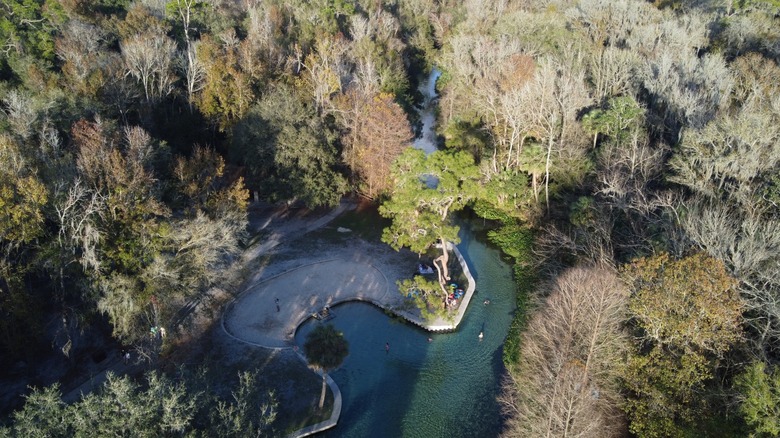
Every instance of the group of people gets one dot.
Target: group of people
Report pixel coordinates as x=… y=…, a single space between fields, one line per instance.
x=455 y=294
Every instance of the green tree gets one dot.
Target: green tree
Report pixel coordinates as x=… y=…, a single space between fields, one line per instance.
x=325 y=349
x=425 y=295
x=760 y=398
x=22 y=197
x=689 y=304
x=249 y=414
x=27 y=30
x=160 y=407
x=289 y=151
x=664 y=392
x=227 y=93
x=689 y=314
x=44 y=415
x=622 y=115
x=427 y=190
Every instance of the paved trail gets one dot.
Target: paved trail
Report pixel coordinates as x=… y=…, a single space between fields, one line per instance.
x=254 y=318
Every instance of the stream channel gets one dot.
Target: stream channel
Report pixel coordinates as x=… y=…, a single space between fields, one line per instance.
x=426 y=385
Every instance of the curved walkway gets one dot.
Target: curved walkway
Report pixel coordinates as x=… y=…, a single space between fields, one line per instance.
x=268 y=313
x=253 y=317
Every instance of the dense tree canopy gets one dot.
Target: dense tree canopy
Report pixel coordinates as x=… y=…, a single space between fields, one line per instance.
x=633 y=134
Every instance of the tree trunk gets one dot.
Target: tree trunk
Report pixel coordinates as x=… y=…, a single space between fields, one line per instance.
x=322 y=394
x=547 y=174
x=443 y=272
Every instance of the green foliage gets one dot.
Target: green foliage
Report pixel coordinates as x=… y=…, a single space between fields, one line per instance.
x=158 y=408
x=426 y=296
x=427 y=190
x=690 y=304
x=525 y=281
x=466 y=135
x=509 y=192
x=227 y=93
x=247 y=415
x=44 y=415
x=618 y=121
x=690 y=313
x=583 y=212
x=28 y=27
x=325 y=348
x=665 y=390
x=290 y=152
x=22 y=197
x=759 y=4
x=760 y=398
x=514 y=239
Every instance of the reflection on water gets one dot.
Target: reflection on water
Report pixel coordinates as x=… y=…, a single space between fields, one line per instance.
x=445 y=387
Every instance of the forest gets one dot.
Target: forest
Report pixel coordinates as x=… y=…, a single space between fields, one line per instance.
x=624 y=152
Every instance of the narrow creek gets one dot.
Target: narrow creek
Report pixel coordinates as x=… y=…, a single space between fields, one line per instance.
x=427 y=385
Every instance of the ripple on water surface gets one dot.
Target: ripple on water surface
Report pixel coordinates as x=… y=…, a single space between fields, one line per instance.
x=442 y=388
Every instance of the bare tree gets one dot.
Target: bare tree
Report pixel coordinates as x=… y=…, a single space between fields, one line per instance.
x=81 y=48
x=558 y=94
x=78 y=214
x=730 y=154
x=325 y=67
x=565 y=383
x=149 y=59
x=612 y=72
x=23 y=111
x=749 y=245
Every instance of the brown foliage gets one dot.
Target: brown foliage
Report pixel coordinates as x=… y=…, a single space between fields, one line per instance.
x=691 y=303
x=378 y=133
x=565 y=381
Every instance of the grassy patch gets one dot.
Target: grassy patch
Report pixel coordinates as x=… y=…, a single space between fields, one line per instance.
x=516 y=240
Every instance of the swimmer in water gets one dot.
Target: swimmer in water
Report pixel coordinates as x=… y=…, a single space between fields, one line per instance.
x=487 y=302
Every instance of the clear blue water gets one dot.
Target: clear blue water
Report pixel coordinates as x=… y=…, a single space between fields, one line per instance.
x=443 y=388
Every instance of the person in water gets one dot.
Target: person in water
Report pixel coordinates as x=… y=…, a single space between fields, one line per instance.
x=387 y=347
